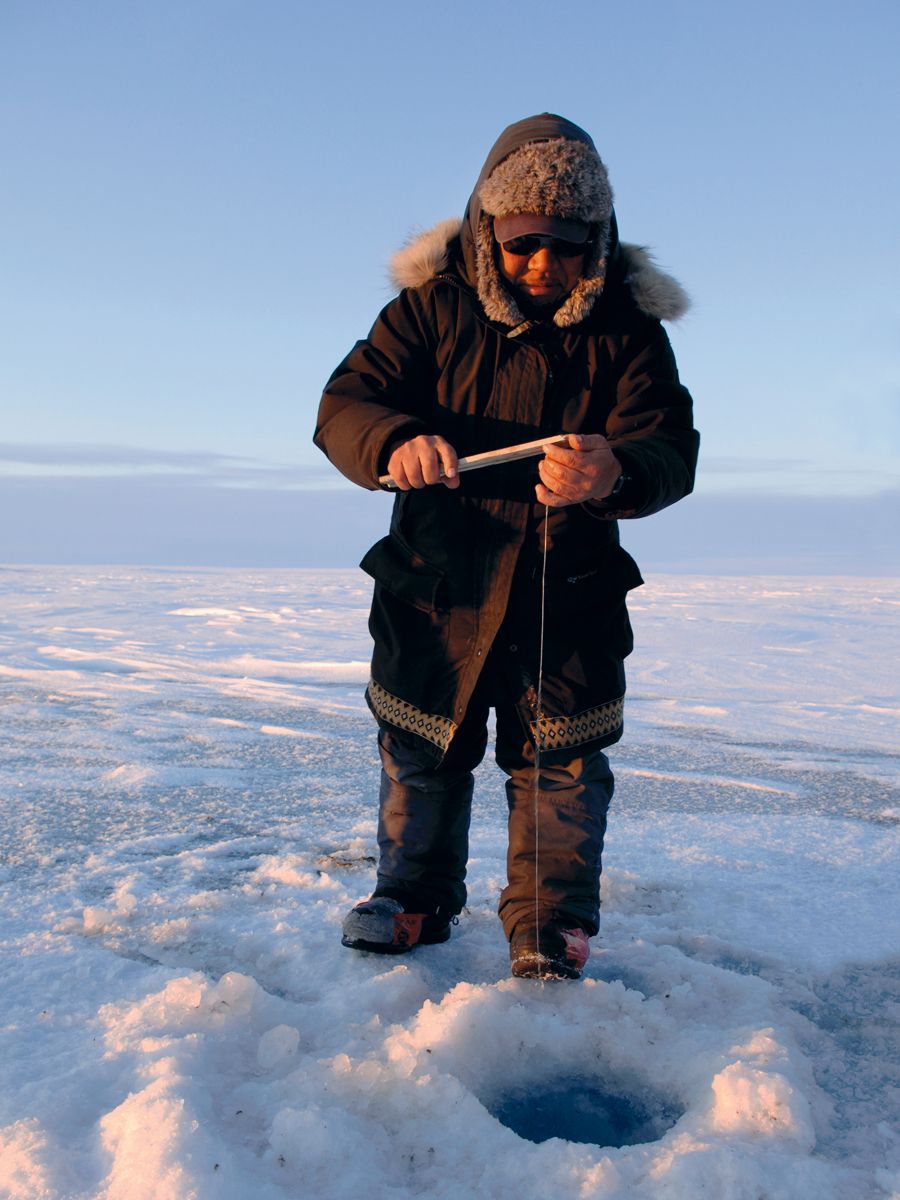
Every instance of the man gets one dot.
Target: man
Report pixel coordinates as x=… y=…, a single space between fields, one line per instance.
x=505 y=587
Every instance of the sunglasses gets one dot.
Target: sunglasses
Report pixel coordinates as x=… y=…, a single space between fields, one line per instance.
x=528 y=244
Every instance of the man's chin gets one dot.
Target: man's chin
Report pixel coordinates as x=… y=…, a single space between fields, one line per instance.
x=539 y=306
x=545 y=297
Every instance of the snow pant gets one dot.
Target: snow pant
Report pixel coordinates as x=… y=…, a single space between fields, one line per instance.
x=556 y=824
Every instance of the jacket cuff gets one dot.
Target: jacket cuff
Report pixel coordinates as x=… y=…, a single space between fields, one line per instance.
x=623 y=501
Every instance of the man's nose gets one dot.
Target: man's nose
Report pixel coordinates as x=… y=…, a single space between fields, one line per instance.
x=542 y=259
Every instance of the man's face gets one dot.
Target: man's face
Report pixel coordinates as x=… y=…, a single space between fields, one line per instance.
x=543 y=278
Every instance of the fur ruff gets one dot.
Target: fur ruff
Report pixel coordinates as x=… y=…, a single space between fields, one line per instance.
x=655 y=292
x=424 y=255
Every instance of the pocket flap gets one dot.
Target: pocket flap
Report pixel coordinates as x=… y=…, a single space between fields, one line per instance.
x=611 y=579
x=404 y=574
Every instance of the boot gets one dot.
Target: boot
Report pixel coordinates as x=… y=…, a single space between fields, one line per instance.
x=554 y=948
x=382 y=926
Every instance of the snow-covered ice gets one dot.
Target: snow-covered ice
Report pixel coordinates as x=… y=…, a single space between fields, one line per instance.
x=187 y=793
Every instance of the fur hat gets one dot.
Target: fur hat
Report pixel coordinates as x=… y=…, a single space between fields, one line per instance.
x=554 y=177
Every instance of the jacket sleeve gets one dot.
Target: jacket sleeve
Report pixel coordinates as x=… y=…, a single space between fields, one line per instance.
x=372 y=400
x=650 y=429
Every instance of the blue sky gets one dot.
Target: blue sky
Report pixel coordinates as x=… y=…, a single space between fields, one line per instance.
x=199 y=199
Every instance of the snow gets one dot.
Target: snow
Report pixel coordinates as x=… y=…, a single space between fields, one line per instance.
x=187 y=812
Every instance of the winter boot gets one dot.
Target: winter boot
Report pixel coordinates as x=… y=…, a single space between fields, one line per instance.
x=382 y=926
x=554 y=949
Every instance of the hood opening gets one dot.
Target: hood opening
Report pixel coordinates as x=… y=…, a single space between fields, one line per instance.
x=548 y=165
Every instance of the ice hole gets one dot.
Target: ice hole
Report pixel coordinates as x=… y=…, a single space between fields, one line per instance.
x=585 y=1110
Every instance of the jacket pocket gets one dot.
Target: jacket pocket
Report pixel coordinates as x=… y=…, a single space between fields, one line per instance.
x=590 y=599
x=405 y=574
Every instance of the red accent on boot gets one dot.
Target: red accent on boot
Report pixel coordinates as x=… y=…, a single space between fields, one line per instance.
x=407 y=928
x=577 y=948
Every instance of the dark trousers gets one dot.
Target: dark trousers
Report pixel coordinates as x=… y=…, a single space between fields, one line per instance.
x=556 y=823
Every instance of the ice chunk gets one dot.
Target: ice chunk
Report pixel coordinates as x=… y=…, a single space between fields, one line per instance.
x=276 y=1045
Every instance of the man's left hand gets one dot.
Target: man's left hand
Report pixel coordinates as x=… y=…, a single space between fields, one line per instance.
x=586 y=469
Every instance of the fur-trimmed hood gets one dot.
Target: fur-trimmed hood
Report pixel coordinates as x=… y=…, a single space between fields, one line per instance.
x=428 y=254
x=547 y=165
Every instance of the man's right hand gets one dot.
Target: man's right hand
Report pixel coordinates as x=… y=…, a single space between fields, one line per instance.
x=423 y=460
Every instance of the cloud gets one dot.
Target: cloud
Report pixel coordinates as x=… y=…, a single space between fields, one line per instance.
x=63 y=455
x=851 y=476
x=72 y=461
x=724 y=464
x=720 y=474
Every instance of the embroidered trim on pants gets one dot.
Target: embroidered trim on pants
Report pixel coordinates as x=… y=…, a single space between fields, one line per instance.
x=435 y=729
x=556 y=732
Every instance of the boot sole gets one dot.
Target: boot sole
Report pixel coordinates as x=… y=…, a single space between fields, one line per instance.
x=537 y=966
x=432 y=939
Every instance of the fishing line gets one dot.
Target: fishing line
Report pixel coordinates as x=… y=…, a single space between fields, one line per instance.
x=538 y=739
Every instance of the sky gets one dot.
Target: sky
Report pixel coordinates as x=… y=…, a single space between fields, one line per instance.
x=198 y=202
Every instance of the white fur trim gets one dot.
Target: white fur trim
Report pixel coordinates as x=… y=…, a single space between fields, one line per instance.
x=424 y=255
x=656 y=293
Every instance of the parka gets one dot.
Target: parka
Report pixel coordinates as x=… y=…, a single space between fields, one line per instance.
x=452 y=355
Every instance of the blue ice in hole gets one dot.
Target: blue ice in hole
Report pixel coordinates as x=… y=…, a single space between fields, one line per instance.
x=585 y=1110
